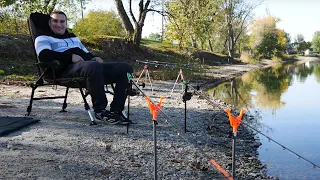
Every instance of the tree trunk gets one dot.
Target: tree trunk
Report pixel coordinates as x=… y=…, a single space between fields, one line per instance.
x=16 y=25
x=137 y=35
x=125 y=19
x=210 y=45
x=231 y=42
x=193 y=42
x=143 y=9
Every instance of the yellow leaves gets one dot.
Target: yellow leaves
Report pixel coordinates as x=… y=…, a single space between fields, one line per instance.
x=282 y=40
x=265 y=25
x=266 y=39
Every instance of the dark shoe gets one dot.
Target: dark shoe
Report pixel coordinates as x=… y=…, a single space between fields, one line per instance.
x=124 y=118
x=108 y=117
x=113 y=117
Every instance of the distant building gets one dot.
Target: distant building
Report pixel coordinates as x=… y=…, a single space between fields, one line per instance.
x=307 y=52
x=310 y=52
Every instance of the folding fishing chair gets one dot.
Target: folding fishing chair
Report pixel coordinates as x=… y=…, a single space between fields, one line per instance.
x=38 y=22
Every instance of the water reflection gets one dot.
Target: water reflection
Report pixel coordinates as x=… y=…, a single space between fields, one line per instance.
x=286 y=98
x=264 y=87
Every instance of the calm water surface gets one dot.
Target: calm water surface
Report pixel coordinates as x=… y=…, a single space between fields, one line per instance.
x=286 y=101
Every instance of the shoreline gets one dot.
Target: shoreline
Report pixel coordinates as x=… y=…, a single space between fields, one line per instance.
x=64 y=146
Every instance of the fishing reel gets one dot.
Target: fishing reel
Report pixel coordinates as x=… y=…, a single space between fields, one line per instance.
x=186 y=96
x=142 y=84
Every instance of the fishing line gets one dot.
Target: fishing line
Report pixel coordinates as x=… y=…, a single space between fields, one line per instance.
x=270 y=139
x=215 y=105
x=180 y=131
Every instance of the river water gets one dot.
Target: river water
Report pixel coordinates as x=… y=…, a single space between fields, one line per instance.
x=285 y=99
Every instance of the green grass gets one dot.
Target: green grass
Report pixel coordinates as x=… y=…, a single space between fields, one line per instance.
x=18 y=61
x=14 y=77
x=158 y=45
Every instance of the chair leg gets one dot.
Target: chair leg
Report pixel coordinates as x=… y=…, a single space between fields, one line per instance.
x=87 y=107
x=64 y=105
x=129 y=90
x=34 y=87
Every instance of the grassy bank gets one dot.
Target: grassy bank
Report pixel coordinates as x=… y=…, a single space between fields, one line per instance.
x=17 y=57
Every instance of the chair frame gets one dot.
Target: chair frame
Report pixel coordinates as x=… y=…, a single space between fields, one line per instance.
x=46 y=67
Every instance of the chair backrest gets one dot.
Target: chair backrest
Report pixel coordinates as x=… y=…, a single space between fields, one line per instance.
x=37 y=22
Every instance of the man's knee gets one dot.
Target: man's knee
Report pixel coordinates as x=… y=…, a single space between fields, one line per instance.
x=92 y=66
x=127 y=68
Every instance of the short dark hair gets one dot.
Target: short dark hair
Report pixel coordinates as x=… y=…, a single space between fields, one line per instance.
x=58 y=12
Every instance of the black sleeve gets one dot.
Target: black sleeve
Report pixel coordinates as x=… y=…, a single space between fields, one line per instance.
x=47 y=55
x=91 y=55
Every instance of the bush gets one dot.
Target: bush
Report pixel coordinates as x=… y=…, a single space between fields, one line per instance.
x=248 y=58
x=13 y=25
x=99 y=23
x=276 y=58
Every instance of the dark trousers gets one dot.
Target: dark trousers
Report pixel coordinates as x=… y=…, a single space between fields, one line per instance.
x=99 y=74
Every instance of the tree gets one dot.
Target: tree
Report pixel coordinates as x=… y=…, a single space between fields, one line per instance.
x=19 y=10
x=301 y=44
x=218 y=23
x=266 y=40
x=236 y=15
x=24 y=7
x=190 y=21
x=5 y=3
x=282 y=40
x=11 y=24
x=154 y=36
x=28 y=6
x=316 y=41
x=108 y=23
x=299 y=38
x=134 y=30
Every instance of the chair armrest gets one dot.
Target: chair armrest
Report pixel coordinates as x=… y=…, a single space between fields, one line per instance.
x=49 y=63
x=50 y=66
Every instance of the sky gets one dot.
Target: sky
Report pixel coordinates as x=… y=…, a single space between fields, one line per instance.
x=297 y=16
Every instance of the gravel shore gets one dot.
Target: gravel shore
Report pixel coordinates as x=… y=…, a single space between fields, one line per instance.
x=65 y=146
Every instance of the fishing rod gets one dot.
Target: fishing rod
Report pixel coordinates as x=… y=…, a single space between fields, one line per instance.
x=166 y=64
x=159 y=109
x=284 y=147
x=270 y=139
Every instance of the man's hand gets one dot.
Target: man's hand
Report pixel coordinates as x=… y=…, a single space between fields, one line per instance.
x=98 y=59
x=76 y=58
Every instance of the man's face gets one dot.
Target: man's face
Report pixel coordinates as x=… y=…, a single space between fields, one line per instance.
x=58 y=23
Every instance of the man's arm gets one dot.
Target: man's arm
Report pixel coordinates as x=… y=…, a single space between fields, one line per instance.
x=47 y=55
x=93 y=57
x=64 y=58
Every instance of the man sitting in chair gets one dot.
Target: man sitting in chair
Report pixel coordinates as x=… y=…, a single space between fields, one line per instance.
x=59 y=44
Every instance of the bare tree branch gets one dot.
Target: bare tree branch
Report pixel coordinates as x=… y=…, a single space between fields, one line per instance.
x=131 y=13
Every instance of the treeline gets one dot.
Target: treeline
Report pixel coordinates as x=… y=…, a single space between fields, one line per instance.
x=223 y=26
